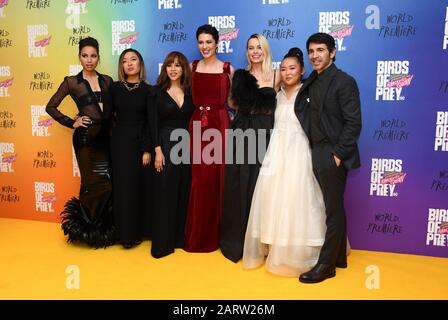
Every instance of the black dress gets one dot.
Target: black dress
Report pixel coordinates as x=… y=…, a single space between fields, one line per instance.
x=240 y=179
x=131 y=180
x=172 y=184
x=89 y=218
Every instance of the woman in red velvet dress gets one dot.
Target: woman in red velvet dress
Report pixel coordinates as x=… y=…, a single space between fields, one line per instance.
x=210 y=88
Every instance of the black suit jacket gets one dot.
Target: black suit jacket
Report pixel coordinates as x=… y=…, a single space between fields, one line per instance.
x=340 y=114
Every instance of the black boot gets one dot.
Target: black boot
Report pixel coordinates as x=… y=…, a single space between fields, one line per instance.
x=319 y=273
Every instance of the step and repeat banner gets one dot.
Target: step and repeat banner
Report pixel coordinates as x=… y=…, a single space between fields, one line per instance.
x=396 y=50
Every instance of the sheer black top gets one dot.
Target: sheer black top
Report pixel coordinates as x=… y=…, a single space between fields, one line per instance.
x=86 y=100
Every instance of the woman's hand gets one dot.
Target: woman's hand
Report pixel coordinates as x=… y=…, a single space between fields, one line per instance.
x=82 y=122
x=159 y=161
x=146 y=158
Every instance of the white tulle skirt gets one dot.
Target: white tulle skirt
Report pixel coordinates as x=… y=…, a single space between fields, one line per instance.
x=286 y=226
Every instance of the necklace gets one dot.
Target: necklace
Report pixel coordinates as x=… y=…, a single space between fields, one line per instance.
x=134 y=86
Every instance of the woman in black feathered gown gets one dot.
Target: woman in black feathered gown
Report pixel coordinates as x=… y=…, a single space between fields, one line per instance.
x=256 y=108
x=88 y=219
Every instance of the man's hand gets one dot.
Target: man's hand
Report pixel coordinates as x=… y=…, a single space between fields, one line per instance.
x=337 y=160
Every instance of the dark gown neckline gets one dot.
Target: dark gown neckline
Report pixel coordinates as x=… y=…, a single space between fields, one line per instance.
x=174 y=100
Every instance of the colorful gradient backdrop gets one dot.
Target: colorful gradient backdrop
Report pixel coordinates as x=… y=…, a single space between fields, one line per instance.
x=409 y=36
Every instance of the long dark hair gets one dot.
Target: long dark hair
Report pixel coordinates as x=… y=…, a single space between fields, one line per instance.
x=164 y=81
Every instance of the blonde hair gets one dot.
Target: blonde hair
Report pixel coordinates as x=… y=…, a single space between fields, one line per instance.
x=122 y=75
x=266 y=66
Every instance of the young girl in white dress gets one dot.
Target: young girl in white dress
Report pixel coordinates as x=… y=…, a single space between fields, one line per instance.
x=287 y=218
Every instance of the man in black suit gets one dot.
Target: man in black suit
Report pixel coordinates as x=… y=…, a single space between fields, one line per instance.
x=332 y=121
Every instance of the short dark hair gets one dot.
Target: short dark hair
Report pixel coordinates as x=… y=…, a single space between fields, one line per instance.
x=295 y=53
x=322 y=38
x=208 y=29
x=89 y=42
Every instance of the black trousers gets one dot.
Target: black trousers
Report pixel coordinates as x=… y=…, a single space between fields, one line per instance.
x=332 y=180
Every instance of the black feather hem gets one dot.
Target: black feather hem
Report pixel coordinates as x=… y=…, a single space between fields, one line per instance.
x=79 y=228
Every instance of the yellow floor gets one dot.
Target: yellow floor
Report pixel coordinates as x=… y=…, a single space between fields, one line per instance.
x=34 y=258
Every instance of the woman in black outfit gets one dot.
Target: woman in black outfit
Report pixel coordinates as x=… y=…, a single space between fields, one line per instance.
x=130 y=146
x=255 y=111
x=172 y=110
x=89 y=218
